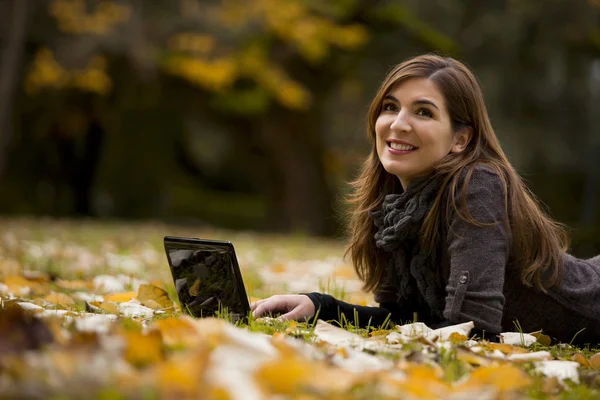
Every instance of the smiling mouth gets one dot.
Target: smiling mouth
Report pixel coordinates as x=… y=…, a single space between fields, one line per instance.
x=401 y=146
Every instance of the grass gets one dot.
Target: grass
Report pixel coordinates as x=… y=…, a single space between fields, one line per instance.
x=77 y=250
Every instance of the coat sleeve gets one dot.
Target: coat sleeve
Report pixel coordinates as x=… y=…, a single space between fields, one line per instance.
x=335 y=311
x=478 y=254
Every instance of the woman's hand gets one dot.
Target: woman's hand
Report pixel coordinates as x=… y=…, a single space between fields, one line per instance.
x=294 y=306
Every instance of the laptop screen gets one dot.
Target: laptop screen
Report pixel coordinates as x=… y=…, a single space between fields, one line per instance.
x=205 y=279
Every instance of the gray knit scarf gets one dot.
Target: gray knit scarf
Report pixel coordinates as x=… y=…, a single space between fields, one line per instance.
x=413 y=274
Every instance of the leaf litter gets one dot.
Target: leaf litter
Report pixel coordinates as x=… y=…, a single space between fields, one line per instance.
x=88 y=311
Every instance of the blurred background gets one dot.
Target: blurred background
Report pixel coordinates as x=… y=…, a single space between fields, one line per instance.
x=250 y=114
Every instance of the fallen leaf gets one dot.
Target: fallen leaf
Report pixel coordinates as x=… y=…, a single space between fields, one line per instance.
x=133 y=309
x=182 y=376
x=542 y=339
x=143 y=349
x=506 y=348
x=559 y=369
x=423 y=381
x=580 y=358
x=110 y=307
x=503 y=377
x=528 y=357
x=120 y=297
x=177 y=331
x=60 y=299
x=156 y=294
x=517 y=338
x=285 y=375
x=595 y=361
x=472 y=358
x=20 y=331
x=73 y=285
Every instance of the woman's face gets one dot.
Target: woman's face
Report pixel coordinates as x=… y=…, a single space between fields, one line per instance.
x=413 y=130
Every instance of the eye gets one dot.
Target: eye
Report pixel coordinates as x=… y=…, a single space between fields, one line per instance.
x=389 y=107
x=424 y=113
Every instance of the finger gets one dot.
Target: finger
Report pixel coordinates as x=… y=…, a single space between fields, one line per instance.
x=255 y=304
x=263 y=308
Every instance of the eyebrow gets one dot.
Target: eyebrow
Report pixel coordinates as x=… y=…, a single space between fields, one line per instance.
x=420 y=101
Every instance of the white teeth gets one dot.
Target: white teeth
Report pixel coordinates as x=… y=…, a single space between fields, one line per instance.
x=398 y=146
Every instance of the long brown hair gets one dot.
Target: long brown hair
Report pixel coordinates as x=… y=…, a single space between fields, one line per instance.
x=537 y=240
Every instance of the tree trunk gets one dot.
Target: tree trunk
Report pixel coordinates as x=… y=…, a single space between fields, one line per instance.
x=301 y=197
x=11 y=58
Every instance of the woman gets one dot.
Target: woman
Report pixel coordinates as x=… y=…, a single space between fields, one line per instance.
x=444 y=230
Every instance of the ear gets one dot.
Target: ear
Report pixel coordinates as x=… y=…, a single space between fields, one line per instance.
x=461 y=139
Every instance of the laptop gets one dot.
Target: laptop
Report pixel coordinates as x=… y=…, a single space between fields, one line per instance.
x=207 y=278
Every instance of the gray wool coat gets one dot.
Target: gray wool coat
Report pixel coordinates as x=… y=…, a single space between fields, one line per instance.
x=482 y=285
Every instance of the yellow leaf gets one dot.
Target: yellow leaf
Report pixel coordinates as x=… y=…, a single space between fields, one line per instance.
x=542 y=339
x=143 y=349
x=177 y=331
x=504 y=377
x=182 y=376
x=15 y=283
x=595 y=361
x=507 y=348
x=471 y=358
x=120 y=297
x=110 y=307
x=156 y=294
x=152 y=304
x=424 y=381
x=284 y=375
x=456 y=338
x=74 y=285
x=60 y=299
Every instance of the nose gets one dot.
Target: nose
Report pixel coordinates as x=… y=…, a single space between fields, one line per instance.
x=400 y=123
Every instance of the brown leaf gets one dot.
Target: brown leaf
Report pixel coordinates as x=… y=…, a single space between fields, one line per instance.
x=20 y=331
x=595 y=361
x=580 y=358
x=156 y=294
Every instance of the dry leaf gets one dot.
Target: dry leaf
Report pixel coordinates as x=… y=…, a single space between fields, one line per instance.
x=580 y=358
x=178 y=331
x=60 y=299
x=155 y=294
x=595 y=361
x=423 y=381
x=110 y=307
x=181 y=376
x=517 y=338
x=542 y=339
x=506 y=348
x=470 y=357
x=503 y=377
x=74 y=285
x=142 y=350
x=560 y=369
x=285 y=375
x=120 y=297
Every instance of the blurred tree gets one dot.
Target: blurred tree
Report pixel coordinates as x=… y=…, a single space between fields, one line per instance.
x=229 y=109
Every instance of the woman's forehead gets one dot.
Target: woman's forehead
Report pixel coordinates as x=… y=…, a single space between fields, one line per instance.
x=416 y=88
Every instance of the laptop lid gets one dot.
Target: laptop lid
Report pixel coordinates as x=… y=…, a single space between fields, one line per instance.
x=207 y=277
